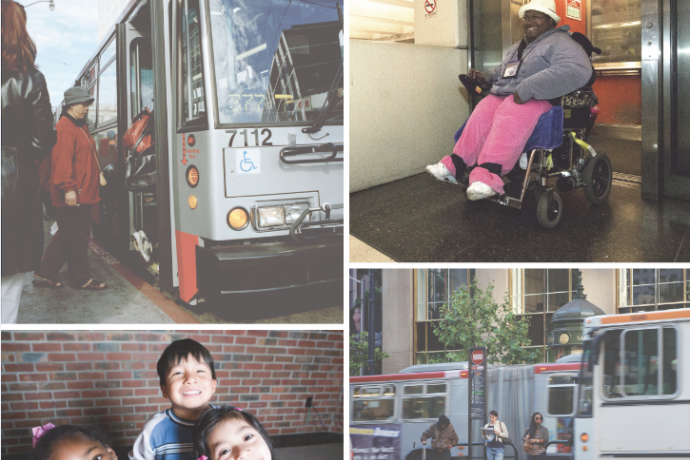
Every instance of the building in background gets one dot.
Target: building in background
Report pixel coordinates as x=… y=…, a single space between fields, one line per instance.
x=413 y=298
x=108 y=12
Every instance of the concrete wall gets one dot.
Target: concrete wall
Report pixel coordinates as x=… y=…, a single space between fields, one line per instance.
x=405 y=104
x=600 y=287
x=445 y=28
x=398 y=335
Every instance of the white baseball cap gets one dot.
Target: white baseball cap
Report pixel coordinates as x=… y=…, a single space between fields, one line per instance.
x=547 y=7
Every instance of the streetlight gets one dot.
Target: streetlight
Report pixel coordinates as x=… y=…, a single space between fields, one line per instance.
x=50 y=2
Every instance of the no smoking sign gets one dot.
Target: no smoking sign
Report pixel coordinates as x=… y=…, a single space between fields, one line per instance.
x=429 y=8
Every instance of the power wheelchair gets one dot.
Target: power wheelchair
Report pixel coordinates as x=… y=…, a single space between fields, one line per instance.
x=558 y=150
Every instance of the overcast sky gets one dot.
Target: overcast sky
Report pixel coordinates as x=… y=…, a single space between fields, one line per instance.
x=65 y=38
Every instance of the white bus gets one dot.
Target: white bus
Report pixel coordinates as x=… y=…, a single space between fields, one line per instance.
x=634 y=398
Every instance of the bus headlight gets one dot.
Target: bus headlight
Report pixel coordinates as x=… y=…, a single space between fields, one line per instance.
x=238 y=218
x=271 y=217
x=293 y=211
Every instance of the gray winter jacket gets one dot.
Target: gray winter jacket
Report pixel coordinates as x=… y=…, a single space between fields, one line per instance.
x=552 y=65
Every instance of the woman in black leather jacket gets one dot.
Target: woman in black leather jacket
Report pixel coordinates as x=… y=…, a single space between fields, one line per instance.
x=27 y=135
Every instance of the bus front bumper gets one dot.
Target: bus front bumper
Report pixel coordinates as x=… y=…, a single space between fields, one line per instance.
x=274 y=270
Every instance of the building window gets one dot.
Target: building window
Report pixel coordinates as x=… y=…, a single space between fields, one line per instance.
x=538 y=293
x=651 y=289
x=434 y=289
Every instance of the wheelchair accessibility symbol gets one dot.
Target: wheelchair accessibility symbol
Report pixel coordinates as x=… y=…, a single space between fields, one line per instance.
x=248 y=161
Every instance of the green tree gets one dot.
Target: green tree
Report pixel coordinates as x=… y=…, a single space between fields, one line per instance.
x=476 y=320
x=359 y=352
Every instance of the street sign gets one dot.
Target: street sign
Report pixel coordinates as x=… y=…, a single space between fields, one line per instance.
x=476 y=390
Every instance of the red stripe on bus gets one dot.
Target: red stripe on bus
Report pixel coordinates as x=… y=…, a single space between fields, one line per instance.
x=398 y=377
x=186 y=264
x=539 y=368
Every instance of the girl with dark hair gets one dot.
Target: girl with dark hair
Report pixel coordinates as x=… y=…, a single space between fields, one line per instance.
x=228 y=432
x=536 y=436
x=67 y=442
x=495 y=433
x=27 y=136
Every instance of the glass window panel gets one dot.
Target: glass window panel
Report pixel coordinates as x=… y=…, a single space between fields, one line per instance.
x=616 y=30
x=611 y=364
x=643 y=295
x=458 y=278
x=421 y=336
x=558 y=280
x=106 y=147
x=556 y=301
x=108 y=54
x=107 y=95
x=366 y=410
x=641 y=362
x=91 y=116
x=371 y=391
x=89 y=77
x=436 y=388
x=561 y=380
x=534 y=281
x=192 y=77
x=424 y=408
x=670 y=275
x=644 y=276
x=414 y=390
x=561 y=400
x=355 y=393
x=142 y=83
x=433 y=342
x=389 y=391
x=536 y=329
x=534 y=303
x=671 y=292
x=276 y=61
x=670 y=361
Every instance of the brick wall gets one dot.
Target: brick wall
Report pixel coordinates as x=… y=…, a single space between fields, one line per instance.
x=109 y=379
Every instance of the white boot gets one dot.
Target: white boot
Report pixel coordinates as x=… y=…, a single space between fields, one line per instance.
x=479 y=191
x=440 y=172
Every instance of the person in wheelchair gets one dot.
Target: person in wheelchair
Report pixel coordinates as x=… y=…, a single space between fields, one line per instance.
x=545 y=65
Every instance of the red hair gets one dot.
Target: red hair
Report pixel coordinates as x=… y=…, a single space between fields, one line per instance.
x=18 y=50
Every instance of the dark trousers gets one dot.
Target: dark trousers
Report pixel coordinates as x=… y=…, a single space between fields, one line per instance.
x=70 y=244
x=443 y=454
x=48 y=204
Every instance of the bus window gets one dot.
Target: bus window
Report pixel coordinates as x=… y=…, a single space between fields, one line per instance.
x=192 y=78
x=141 y=75
x=275 y=61
x=108 y=54
x=641 y=362
x=426 y=401
x=373 y=403
x=585 y=382
x=611 y=365
x=107 y=95
x=561 y=393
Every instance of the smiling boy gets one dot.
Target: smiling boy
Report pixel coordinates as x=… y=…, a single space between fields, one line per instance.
x=188 y=380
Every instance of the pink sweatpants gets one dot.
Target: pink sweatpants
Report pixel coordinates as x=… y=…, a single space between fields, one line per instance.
x=496 y=133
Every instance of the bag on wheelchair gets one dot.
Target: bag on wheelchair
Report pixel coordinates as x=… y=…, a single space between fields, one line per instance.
x=138 y=141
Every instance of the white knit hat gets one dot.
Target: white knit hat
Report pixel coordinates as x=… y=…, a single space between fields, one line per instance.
x=547 y=7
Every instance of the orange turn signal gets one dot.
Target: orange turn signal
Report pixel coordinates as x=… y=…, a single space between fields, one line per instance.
x=192 y=176
x=193 y=202
x=584 y=437
x=238 y=218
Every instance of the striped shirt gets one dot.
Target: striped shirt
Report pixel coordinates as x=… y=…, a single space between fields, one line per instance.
x=165 y=437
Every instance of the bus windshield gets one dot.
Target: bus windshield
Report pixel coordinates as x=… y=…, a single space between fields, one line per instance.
x=276 y=60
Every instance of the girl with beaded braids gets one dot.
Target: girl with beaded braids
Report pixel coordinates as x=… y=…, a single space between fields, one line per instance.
x=68 y=442
x=228 y=432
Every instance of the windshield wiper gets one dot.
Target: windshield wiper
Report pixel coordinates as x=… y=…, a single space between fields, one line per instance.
x=321 y=119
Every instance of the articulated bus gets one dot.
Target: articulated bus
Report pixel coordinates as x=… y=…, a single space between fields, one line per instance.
x=247 y=97
x=634 y=393
x=418 y=395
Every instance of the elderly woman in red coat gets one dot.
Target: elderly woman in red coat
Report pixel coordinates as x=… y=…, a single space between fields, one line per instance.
x=74 y=186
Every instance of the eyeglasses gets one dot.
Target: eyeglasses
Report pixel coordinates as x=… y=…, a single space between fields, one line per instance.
x=538 y=418
x=526 y=18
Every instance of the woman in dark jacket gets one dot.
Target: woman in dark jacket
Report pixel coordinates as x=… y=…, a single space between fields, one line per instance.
x=74 y=189
x=27 y=135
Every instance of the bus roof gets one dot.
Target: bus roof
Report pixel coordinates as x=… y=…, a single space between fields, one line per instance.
x=642 y=317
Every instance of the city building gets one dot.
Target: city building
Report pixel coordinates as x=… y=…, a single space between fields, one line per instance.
x=413 y=298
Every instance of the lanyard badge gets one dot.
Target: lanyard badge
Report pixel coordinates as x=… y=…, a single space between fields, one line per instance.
x=511 y=69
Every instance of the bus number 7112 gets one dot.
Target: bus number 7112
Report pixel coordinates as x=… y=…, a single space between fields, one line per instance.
x=264 y=131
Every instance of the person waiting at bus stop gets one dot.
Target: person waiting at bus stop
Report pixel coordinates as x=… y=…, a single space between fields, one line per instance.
x=536 y=436
x=443 y=437
x=74 y=189
x=494 y=442
x=545 y=65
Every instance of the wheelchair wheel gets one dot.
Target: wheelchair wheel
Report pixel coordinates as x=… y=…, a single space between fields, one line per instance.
x=549 y=209
x=597 y=178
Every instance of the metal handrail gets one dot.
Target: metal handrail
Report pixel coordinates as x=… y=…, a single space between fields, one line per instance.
x=291 y=151
x=479 y=443
x=296 y=227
